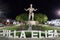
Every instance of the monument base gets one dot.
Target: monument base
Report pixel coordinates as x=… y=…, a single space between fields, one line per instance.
x=32 y=22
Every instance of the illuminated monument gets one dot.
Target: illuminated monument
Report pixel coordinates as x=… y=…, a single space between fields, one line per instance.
x=31 y=14
x=31 y=21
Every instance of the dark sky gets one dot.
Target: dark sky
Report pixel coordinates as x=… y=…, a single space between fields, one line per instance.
x=12 y=8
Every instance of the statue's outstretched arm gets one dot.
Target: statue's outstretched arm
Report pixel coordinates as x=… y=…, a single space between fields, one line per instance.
x=35 y=9
x=26 y=9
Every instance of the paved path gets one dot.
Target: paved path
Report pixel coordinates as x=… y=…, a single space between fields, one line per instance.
x=30 y=27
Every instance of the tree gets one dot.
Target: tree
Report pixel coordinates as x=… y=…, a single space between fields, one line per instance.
x=42 y=18
x=22 y=17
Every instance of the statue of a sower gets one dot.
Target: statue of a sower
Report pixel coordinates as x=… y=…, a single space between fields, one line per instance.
x=31 y=14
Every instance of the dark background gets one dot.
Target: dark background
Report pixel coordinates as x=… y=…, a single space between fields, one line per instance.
x=12 y=8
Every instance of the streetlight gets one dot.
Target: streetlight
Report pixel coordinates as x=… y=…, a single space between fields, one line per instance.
x=58 y=12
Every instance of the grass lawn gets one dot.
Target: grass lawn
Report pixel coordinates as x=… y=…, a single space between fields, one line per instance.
x=14 y=27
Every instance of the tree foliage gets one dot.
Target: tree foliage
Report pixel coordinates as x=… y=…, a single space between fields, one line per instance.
x=42 y=18
x=22 y=17
x=37 y=17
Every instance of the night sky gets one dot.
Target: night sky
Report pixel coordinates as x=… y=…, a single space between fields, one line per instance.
x=12 y=8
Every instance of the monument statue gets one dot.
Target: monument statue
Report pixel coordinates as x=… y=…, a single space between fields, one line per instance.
x=31 y=14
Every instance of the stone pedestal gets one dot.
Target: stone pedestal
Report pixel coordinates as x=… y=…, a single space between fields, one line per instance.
x=32 y=22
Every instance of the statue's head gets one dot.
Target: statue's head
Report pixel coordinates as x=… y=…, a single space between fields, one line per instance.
x=30 y=5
